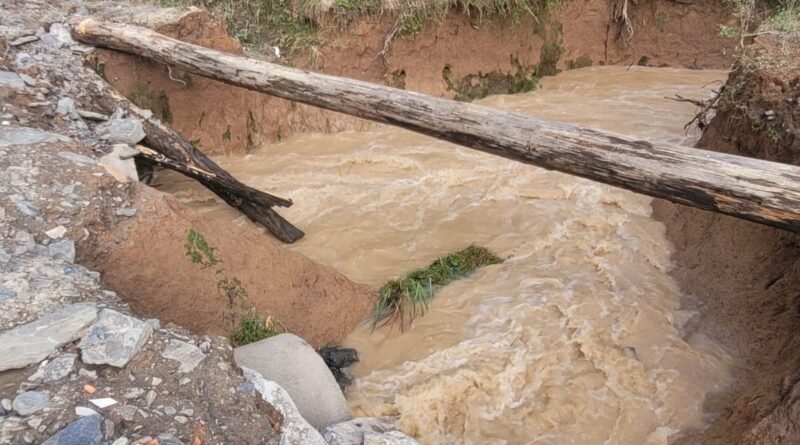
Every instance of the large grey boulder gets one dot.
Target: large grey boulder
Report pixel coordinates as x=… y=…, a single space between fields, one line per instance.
x=295 y=430
x=289 y=361
x=114 y=339
x=33 y=342
x=84 y=431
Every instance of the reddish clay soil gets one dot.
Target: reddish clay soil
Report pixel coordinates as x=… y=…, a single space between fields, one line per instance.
x=744 y=277
x=224 y=119
x=144 y=260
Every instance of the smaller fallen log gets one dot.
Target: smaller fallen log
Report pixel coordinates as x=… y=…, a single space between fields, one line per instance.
x=168 y=149
x=237 y=188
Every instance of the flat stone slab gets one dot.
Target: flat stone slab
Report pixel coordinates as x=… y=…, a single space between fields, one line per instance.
x=188 y=355
x=55 y=369
x=84 y=431
x=289 y=361
x=114 y=339
x=24 y=136
x=35 y=341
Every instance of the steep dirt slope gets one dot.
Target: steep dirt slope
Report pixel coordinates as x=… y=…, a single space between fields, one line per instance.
x=744 y=277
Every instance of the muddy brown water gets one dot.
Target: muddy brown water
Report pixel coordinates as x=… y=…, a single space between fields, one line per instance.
x=575 y=339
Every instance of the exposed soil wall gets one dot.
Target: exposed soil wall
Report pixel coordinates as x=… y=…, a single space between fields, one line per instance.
x=744 y=277
x=144 y=260
x=460 y=57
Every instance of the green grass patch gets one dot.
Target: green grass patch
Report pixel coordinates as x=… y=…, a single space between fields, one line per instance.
x=293 y=25
x=253 y=327
x=405 y=298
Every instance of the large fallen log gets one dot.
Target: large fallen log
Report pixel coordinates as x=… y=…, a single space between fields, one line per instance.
x=761 y=191
x=176 y=153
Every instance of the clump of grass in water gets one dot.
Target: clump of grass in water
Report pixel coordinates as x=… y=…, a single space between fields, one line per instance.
x=254 y=327
x=403 y=299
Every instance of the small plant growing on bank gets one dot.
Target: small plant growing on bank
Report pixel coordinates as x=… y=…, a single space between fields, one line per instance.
x=199 y=251
x=405 y=298
x=254 y=327
x=247 y=325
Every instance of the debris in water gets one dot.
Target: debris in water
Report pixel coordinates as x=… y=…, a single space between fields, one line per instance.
x=403 y=299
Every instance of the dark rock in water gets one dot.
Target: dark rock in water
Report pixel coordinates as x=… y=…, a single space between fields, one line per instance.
x=84 y=431
x=336 y=357
x=343 y=377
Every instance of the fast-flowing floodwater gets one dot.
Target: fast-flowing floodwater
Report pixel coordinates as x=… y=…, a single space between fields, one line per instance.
x=575 y=339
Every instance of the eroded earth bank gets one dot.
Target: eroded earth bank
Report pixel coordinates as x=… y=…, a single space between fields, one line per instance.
x=111 y=333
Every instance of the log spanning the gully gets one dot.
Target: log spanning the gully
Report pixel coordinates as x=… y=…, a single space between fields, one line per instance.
x=752 y=189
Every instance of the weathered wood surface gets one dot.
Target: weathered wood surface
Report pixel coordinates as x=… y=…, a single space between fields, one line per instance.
x=178 y=154
x=761 y=191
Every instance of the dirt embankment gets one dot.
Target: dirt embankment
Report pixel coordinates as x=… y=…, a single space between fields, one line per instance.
x=744 y=277
x=461 y=57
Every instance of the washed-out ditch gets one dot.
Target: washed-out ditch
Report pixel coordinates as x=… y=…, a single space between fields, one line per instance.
x=577 y=337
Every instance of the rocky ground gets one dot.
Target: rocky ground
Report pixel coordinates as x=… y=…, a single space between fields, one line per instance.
x=76 y=366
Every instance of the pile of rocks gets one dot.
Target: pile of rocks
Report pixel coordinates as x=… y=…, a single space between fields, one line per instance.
x=76 y=366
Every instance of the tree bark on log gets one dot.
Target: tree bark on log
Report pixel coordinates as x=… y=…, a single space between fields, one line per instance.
x=756 y=190
x=180 y=155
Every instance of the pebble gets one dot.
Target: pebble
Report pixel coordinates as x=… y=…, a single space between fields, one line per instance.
x=66 y=107
x=55 y=369
x=30 y=402
x=168 y=439
x=156 y=381
x=128 y=412
x=56 y=232
x=91 y=375
x=6 y=404
x=150 y=397
x=133 y=393
x=125 y=211
x=170 y=411
x=181 y=419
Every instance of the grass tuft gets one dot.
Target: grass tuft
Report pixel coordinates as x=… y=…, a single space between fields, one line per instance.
x=254 y=327
x=403 y=299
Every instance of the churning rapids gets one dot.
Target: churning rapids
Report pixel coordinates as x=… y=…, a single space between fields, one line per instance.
x=575 y=339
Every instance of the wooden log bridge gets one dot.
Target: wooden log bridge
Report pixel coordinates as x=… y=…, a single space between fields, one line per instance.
x=752 y=189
